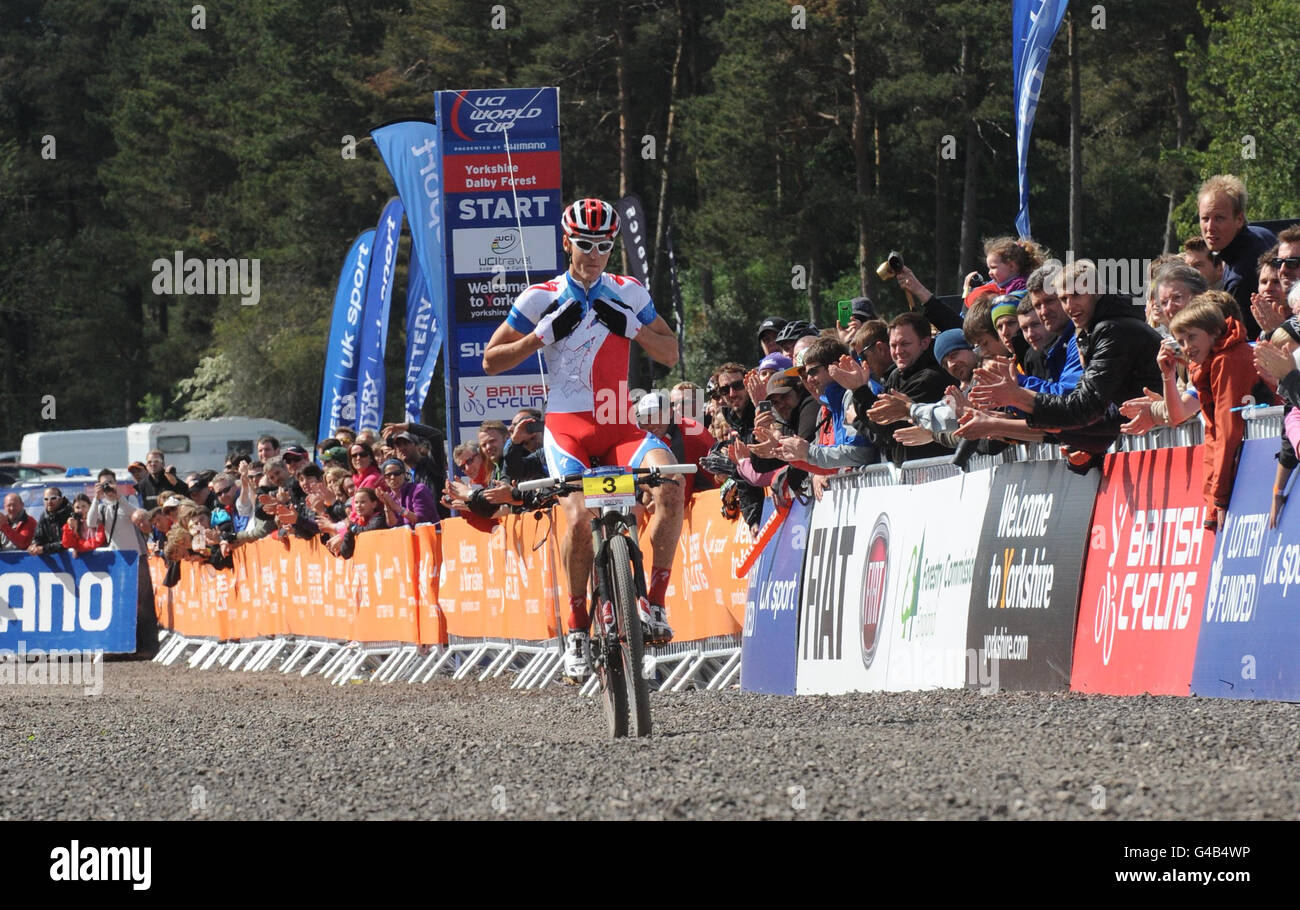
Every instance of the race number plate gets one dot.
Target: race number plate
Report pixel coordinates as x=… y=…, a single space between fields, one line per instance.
x=608 y=488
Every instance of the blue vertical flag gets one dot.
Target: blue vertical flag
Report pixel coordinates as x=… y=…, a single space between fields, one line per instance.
x=338 y=404
x=374 y=320
x=423 y=339
x=410 y=150
x=1034 y=24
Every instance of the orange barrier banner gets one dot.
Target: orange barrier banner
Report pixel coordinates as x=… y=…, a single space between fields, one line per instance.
x=383 y=573
x=461 y=581
x=529 y=553
x=427 y=584
x=704 y=596
x=431 y=625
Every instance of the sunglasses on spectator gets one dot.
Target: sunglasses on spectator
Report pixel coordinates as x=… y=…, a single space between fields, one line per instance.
x=600 y=246
x=53 y=498
x=810 y=369
x=737 y=386
x=394 y=474
x=1290 y=262
x=464 y=465
x=356 y=455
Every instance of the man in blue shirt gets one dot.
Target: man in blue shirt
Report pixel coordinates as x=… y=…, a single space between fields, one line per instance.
x=1221 y=208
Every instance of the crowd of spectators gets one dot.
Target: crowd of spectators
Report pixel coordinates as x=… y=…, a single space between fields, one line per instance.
x=1036 y=351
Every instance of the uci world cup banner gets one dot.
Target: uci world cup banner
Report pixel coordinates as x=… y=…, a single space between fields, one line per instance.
x=502 y=204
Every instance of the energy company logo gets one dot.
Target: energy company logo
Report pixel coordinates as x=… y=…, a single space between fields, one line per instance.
x=912 y=589
x=873 y=594
x=505 y=242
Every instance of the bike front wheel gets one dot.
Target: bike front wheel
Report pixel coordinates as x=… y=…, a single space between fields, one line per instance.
x=632 y=648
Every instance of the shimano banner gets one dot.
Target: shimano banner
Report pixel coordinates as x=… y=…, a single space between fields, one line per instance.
x=85 y=603
x=1034 y=27
x=371 y=380
x=411 y=150
x=423 y=339
x=338 y=402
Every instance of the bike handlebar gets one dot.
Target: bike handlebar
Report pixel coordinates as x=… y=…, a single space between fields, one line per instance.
x=543 y=482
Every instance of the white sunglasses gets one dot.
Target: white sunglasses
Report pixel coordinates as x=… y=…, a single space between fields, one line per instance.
x=600 y=246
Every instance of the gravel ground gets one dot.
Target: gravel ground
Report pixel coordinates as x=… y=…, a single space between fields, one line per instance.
x=266 y=746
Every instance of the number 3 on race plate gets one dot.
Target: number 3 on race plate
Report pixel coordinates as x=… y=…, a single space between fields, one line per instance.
x=608 y=488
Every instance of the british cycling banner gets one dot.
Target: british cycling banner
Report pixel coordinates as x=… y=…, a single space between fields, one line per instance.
x=1145 y=577
x=371 y=379
x=338 y=403
x=500 y=151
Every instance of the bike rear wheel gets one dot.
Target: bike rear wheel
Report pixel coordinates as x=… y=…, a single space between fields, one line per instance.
x=636 y=696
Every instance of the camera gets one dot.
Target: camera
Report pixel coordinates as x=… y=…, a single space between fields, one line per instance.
x=764 y=407
x=892 y=265
x=106 y=486
x=534 y=426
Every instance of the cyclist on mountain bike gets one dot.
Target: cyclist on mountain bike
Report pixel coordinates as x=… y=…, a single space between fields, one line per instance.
x=585 y=320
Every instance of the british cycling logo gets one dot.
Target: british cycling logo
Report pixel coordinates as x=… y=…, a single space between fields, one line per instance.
x=873 y=593
x=505 y=242
x=485 y=114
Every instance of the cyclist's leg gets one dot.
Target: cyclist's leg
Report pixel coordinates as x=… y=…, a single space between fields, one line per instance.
x=565 y=454
x=665 y=524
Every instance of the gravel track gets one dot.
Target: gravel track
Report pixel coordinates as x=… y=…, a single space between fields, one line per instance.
x=266 y=746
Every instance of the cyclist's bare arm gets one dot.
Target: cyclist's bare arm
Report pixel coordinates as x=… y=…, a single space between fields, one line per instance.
x=658 y=341
x=508 y=348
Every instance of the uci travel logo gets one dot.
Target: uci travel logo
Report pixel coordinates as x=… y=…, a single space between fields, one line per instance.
x=505 y=242
x=873 y=596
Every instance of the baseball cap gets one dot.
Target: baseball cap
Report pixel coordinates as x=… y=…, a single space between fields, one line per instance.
x=782 y=383
x=863 y=309
x=400 y=436
x=294 y=453
x=775 y=361
x=770 y=324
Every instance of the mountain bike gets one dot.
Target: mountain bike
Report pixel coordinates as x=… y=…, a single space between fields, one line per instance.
x=617 y=583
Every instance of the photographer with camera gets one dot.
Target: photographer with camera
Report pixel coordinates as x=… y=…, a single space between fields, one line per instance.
x=126 y=528
x=522 y=458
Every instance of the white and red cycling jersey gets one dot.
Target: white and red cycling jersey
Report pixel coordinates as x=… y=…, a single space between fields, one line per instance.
x=587 y=406
x=592 y=357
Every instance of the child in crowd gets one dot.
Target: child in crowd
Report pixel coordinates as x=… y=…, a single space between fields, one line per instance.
x=1222 y=369
x=1009 y=263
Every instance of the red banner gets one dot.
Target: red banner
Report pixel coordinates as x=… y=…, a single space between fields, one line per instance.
x=1145 y=578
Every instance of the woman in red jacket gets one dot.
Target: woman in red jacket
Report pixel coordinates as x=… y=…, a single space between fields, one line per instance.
x=365 y=473
x=76 y=536
x=1222 y=367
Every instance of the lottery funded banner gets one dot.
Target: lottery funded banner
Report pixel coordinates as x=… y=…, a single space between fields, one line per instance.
x=1249 y=645
x=500 y=166
x=1027 y=573
x=1145 y=576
